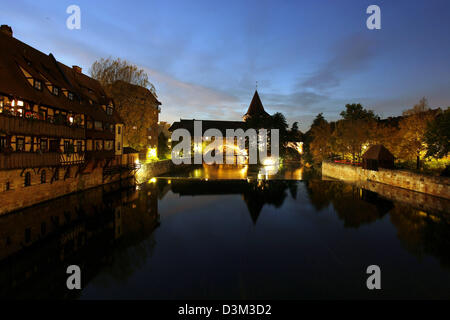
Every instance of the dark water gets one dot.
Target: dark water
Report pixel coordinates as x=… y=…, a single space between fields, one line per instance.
x=185 y=237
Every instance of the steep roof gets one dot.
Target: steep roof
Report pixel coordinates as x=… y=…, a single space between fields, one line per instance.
x=256 y=107
x=378 y=152
x=16 y=54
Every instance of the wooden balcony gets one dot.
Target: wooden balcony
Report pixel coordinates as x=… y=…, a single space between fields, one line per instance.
x=22 y=126
x=99 y=155
x=21 y=160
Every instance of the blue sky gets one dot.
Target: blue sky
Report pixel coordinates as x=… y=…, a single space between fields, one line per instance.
x=204 y=57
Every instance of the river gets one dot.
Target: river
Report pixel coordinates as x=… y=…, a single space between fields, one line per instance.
x=218 y=232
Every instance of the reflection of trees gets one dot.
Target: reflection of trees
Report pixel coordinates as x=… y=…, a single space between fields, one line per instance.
x=422 y=233
x=352 y=204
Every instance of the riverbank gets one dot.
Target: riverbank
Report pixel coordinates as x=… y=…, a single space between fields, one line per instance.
x=432 y=185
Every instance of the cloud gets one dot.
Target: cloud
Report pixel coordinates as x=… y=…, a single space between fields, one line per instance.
x=188 y=100
x=351 y=55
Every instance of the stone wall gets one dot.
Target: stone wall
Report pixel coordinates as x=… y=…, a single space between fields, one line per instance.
x=433 y=185
x=153 y=169
x=18 y=196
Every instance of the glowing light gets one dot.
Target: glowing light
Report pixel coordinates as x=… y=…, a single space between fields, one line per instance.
x=152 y=154
x=20 y=103
x=198 y=147
x=152 y=180
x=270 y=161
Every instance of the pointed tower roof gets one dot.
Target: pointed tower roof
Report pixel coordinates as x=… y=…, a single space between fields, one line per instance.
x=256 y=107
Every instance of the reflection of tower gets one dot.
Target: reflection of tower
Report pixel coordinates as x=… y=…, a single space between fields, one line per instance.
x=254 y=193
x=254 y=205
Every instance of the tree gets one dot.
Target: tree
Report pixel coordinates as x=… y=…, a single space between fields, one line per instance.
x=163 y=146
x=420 y=107
x=354 y=130
x=437 y=136
x=108 y=71
x=357 y=112
x=320 y=147
x=412 y=130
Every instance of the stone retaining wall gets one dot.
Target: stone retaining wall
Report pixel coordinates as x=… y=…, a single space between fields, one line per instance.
x=18 y=196
x=433 y=185
x=153 y=169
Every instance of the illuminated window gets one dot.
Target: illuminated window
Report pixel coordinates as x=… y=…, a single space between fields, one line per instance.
x=98 y=125
x=20 y=146
x=43 y=145
x=98 y=145
x=70 y=96
x=55 y=91
x=109 y=145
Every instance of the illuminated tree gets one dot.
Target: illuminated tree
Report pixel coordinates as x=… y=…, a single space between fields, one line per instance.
x=411 y=140
x=437 y=136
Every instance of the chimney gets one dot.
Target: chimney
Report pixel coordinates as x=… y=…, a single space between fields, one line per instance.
x=77 y=69
x=6 y=30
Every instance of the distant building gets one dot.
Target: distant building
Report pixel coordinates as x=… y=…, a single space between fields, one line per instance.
x=139 y=109
x=255 y=109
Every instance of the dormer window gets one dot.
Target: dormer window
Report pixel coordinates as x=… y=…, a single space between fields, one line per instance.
x=70 y=96
x=37 y=84
x=55 y=91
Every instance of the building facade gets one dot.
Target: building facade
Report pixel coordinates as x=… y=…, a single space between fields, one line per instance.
x=139 y=108
x=58 y=127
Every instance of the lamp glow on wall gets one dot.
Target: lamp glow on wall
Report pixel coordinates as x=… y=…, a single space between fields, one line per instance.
x=152 y=154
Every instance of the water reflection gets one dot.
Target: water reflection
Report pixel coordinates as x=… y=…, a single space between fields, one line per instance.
x=242 y=172
x=255 y=193
x=87 y=229
x=124 y=237
x=421 y=233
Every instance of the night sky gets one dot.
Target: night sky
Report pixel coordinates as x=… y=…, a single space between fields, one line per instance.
x=204 y=57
